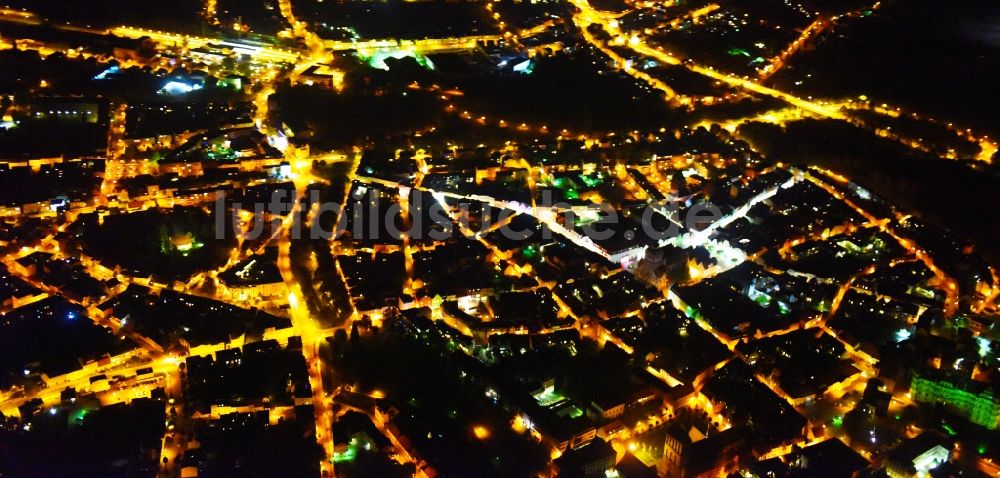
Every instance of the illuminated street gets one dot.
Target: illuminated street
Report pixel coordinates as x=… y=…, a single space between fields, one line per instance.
x=583 y=238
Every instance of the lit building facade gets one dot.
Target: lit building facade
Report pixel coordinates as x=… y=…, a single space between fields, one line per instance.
x=974 y=400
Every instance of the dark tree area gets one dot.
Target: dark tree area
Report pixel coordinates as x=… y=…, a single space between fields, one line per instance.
x=142 y=241
x=920 y=183
x=421 y=375
x=354 y=116
x=939 y=58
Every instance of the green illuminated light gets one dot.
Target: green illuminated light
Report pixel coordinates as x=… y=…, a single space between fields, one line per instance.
x=548 y=396
x=593 y=180
x=783 y=308
x=349 y=455
x=529 y=252
x=981 y=408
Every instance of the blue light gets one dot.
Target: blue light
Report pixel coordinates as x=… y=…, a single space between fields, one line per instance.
x=178 y=88
x=902 y=334
x=525 y=67
x=104 y=74
x=284 y=171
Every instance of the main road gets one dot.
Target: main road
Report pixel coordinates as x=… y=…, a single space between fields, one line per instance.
x=588 y=16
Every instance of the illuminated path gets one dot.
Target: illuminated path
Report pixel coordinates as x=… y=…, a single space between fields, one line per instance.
x=307 y=327
x=291 y=55
x=544 y=215
x=426 y=45
x=619 y=60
